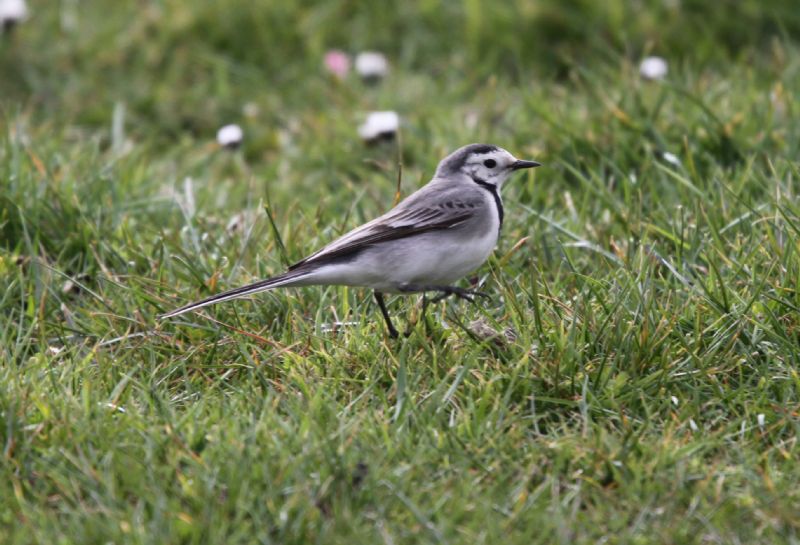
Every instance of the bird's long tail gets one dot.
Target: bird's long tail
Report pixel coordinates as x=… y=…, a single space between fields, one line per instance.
x=289 y=278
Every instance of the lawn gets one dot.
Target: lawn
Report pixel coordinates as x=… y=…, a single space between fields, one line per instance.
x=642 y=385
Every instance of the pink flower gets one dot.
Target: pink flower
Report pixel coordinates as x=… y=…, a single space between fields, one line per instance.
x=337 y=63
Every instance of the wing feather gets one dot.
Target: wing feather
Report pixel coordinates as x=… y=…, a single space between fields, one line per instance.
x=405 y=220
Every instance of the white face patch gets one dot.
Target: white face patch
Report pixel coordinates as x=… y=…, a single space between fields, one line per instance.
x=493 y=167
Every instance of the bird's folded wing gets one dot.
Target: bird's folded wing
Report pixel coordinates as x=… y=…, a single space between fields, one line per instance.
x=398 y=223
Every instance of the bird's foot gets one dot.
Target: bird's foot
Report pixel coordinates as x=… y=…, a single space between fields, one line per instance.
x=445 y=292
x=461 y=293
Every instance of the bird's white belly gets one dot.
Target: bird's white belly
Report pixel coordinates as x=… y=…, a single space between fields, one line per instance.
x=444 y=261
x=433 y=259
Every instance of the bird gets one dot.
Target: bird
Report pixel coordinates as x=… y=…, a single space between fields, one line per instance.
x=427 y=242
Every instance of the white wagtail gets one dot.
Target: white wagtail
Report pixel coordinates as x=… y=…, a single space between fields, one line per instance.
x=429 y=240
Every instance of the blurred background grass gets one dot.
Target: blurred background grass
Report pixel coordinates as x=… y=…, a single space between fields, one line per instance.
x=648 y=270
x=218 y=53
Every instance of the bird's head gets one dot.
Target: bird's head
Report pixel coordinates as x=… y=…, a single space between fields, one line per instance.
x=484 y=163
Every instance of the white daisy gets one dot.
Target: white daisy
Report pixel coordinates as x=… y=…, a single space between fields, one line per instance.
x=12 y=12
x=371 y=66
x=653 y=68
x=379 y=125
x=230 y=136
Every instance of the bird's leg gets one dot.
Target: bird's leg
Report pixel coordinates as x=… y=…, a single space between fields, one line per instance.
x=445 y=292
x=382 y=305
x=425 y=303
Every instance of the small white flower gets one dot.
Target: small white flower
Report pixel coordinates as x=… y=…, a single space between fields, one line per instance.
x=371 y=65
x=379 y=125
x=675 y=401
x=693 y=424
x=230 y=136
x=653 y=68
x=760 y=418
x=68 y=287
x=12 y=12
x=671 y=158
x=73 y=285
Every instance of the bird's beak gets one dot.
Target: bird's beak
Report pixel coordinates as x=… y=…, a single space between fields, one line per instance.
x=520 y=164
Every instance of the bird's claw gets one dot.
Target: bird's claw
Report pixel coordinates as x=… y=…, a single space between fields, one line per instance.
x=470 y=295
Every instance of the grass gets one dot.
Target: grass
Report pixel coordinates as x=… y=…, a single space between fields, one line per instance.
x=648 y=273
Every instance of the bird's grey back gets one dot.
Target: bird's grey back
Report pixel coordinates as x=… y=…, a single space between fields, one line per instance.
x=441 y=204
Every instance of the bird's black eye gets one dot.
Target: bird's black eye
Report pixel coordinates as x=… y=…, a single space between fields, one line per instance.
x=490 y=163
